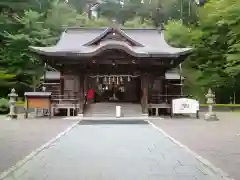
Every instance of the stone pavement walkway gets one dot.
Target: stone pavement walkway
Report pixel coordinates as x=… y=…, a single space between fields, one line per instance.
x=217 y=141
x=20 y=137
x=114 y=152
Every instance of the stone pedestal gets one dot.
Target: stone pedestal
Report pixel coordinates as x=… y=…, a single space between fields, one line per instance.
x=210 y=116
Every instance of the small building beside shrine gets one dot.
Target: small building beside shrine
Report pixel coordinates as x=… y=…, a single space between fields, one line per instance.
x=121 y=65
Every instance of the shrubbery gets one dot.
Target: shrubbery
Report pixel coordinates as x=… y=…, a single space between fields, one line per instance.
x=4 y=106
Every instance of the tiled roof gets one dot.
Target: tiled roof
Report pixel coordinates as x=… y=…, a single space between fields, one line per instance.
x=75 y=41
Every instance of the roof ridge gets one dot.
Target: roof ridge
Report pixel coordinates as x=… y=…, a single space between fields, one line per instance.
x=85 y=28
x=107 y=27
x=106 y=31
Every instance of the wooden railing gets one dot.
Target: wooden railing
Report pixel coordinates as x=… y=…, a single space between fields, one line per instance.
x=65 y=102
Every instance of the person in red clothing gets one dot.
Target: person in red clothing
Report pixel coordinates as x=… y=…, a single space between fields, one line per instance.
x=90 y=95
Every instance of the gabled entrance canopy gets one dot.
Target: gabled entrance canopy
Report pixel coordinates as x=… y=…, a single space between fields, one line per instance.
x=89 y=42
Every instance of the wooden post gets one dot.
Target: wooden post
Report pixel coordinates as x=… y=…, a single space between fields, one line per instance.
x=26 y=107
x=50 y=108
x=81 y=94
x=62 y=81
x=85 y=84
x=144 y=100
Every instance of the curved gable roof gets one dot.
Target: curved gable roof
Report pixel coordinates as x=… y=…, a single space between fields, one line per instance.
x=113 y=30
x=81 y=41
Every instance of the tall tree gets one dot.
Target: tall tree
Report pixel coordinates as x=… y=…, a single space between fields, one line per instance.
x=216 y=52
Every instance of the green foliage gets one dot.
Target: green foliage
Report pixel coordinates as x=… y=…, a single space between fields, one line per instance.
x=62 y=15
x=158 y=11
x=38 y=25
x=31 y=32
x=222 y=105
x=219 y=60
x=5 y=76
x=136 y=23
x=20 y=103
x=179 y=35
x=4 y=106
x=6 y=79
x=215 y=61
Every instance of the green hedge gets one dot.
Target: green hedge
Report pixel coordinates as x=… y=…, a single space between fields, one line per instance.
x=222 y=105
x=4 y=106
x=20 y=103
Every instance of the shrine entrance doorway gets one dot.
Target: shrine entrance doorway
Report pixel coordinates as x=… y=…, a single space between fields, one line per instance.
x=116 y=88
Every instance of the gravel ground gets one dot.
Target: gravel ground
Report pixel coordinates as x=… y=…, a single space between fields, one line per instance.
x=219 y=142
x=19 y=138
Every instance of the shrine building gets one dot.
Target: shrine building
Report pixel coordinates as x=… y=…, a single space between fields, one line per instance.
x=121 y=65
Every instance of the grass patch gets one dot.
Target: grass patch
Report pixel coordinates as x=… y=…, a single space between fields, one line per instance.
x=20 y=103
x=222 y=105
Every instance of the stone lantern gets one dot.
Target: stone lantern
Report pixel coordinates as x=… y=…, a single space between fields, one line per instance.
x=210 y=116
x=12 y=101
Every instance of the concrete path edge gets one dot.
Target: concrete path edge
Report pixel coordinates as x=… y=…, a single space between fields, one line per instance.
x=34 y=153
x=204 y=161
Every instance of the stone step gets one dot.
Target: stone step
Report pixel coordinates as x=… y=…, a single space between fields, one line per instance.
x=109 y=110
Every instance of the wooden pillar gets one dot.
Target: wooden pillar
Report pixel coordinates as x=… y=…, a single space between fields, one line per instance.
x=62 y=80
x=85 y=84
x=144 y=100
x=81 y=94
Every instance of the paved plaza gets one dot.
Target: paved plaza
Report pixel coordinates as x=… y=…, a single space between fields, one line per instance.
x=219 y=141
x=136 y=151
x=20 y=137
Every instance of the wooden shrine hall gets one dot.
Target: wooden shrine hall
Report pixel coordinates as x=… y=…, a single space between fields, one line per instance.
x=121 y=65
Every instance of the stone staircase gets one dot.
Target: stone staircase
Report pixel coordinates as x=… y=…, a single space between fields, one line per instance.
x=109 y=110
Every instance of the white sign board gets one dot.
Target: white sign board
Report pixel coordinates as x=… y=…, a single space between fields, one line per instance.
x=185 y=106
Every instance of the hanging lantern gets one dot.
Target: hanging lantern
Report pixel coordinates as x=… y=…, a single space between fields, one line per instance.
x=117 y=80
x=100 y=87
x=97 y=78
x=129 y=78
x=105 y=80
x=121 y=79
x=113 y=79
